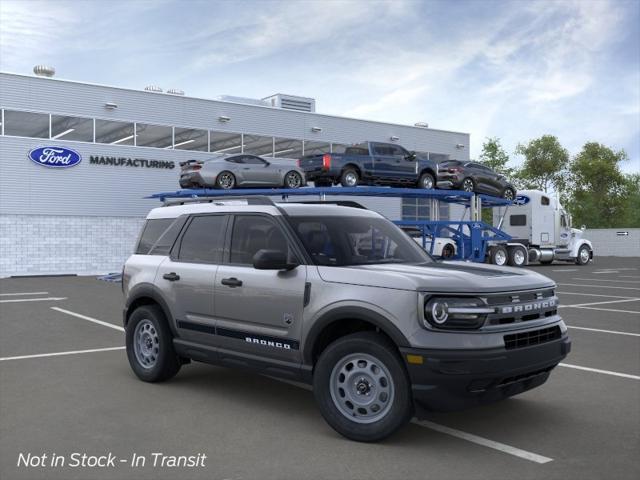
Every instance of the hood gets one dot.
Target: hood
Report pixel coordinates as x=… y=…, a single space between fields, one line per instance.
x=449 y=277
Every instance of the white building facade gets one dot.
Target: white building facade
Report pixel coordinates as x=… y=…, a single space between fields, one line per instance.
x=85 y=218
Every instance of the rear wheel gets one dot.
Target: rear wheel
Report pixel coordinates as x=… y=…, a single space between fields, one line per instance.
x=293 y=179
x=362 y=388
x=499 y=255
x=517 y=256
x=448 y=251
x=226 y=180
x=149 y=345
x=426 y=181
x=349 y=178
x=468 y=185
x=508 y=194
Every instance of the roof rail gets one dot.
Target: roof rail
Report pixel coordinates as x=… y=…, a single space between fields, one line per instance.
x=218 y=200
x=340 y=203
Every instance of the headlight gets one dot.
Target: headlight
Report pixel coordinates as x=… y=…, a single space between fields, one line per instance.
x=455 y=312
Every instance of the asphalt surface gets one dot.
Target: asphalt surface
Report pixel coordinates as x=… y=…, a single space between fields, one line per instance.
x=581 y=424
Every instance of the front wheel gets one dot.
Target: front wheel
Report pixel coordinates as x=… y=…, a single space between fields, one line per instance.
x=362 y=388
x=426 y=181
x=499 y=256
x=293 y=179
x=508 y=194
x=448 y=251
x=584 y=255
x=149 y=345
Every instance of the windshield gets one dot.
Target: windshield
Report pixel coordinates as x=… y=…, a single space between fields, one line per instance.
x=344 y=241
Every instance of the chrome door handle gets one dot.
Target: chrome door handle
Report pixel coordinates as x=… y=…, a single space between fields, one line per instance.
x=231 y=282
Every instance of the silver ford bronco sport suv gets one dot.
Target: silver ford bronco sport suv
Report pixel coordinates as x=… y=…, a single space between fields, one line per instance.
x=340 y=298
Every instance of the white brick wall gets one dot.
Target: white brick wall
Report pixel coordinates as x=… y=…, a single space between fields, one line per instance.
x=43 y=244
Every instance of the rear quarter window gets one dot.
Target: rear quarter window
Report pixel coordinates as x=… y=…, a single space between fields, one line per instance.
x=151 y=232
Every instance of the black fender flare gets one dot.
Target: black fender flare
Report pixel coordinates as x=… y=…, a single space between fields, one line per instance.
x=147 y=290
x=350 y=313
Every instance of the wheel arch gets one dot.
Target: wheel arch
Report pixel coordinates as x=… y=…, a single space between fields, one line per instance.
x=355 y=166
x=343 y=321
x=146 y=294
x=430 y=171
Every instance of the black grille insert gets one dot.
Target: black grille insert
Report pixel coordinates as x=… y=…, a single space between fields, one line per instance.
x=535 y=337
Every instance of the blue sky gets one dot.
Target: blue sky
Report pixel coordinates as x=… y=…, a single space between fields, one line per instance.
x=511 y=69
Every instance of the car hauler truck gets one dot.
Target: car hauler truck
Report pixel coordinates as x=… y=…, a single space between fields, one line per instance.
x=539 y=228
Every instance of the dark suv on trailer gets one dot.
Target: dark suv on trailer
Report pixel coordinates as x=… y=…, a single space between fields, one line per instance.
x=474 y=177
x=338 y=297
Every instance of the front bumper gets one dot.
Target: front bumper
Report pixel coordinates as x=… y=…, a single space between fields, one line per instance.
x=450 y=380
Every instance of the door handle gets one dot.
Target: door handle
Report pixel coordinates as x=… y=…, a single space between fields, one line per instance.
x=172 y=277
x=231 y=282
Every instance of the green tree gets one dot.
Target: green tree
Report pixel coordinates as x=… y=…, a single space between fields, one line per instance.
x=598 y=192
x=545 y=164
x=630 y=216
x=495 y=157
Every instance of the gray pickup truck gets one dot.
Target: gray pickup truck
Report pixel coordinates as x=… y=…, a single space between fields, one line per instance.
x=340 y=298
x=371 y=163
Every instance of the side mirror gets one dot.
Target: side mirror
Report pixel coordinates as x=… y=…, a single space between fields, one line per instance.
x=583 y=227
x=272 y=260
x=411 y=156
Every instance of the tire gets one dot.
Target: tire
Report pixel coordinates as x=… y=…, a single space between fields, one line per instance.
x=149 y=345
x=517 y=257
x=293 y=180
x=225 y=180
x=426 y=182
x=584 y=255
x=371 y=418
x=468 y=185
x=499 y=255
x=509 y=194
x=349 y=178
x=448 y=251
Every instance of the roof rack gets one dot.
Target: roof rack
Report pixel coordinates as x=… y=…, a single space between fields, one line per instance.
x=218 y=200
x=341 y=203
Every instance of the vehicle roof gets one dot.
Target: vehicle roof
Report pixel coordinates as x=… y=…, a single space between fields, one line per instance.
x=241 y=206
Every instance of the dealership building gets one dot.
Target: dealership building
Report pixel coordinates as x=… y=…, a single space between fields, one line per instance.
x=127 y=145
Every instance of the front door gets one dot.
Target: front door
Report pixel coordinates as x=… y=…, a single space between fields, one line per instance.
x=259 y=312
x=391 y=163
x=187 y=277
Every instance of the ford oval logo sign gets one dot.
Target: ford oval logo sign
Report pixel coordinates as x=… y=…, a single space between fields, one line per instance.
x=521 y=200
x=55 y=157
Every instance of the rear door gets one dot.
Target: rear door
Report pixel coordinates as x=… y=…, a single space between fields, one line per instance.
x=187 y=276
x=259 y=312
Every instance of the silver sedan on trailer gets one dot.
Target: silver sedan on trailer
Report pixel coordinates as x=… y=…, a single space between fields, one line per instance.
x=231 y=171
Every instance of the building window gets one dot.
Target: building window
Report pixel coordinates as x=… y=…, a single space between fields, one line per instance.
x=316 y=148
x=287 y=148
x=114 y=133
x=71 y=128
x=227 y=143
x=419 y=209
x=26 y=124
x=191 y=139
x=157 y=136
x=258 y=145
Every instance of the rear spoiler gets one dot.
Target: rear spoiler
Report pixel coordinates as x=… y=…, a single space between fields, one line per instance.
x=191 y=162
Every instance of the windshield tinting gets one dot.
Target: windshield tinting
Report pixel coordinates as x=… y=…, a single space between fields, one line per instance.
x=345 y=241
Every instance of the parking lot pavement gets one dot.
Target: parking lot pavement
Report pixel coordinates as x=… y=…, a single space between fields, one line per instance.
x=583 y=423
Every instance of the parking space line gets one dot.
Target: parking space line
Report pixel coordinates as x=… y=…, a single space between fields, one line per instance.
x=629 y=276
x=533 y=457
x=608 y=280
x=597 y=370
x=566 y=270
x=591 y=295
x=598 y=286
x=47 y=299
x=57 y=354
x=605 y=272
x=610 y=310
x=88 y=319
x=485 y=442
x=605 y=331
x=632 y=299
x=23 y=293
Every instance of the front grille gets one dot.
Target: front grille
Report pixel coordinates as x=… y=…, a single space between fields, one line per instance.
x=534 y=337
x=520 y=305
x=507 y=298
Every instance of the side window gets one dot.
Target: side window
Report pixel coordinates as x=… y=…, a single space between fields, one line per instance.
x=250 y=159
x=544 y=201
x=563 y=221
x=238 y=159
x=168 y=238
x=252 y=233
x=203 y=240
x=518 y=220
x=397 y=151
x=151 y=233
